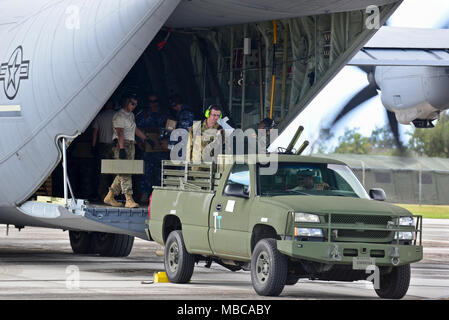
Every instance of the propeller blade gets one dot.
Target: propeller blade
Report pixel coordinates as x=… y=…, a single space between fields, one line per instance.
x=363 y=95
x=394 y=127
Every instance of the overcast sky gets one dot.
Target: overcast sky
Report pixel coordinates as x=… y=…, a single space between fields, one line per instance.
x=411 y=13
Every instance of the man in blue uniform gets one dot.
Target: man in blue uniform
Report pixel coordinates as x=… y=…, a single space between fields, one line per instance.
x=151 y=121
x=184 y=117
x=151 y=117
x=182 y=112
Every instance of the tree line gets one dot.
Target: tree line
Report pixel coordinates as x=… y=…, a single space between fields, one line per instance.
x=432 y=142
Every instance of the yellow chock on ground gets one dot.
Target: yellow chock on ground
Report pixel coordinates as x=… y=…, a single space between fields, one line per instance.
x=160 y=277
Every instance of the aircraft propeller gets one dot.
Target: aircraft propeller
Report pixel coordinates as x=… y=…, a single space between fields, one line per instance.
x=367 y=93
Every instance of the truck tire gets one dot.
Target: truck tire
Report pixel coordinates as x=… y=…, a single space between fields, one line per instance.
x=81 y=242
x=113 y=245
x=268 y=268
x=394 y=285
x=178 y=262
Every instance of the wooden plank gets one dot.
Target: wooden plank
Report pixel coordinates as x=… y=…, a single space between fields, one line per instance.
x=122 y=166
x=54 y=200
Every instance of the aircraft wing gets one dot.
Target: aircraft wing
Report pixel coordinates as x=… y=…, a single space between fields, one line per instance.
x=392 y=46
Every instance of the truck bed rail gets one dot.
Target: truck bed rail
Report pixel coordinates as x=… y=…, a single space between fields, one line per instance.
x=185 y=175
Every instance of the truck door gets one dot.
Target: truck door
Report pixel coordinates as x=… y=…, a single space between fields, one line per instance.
x=229 y=218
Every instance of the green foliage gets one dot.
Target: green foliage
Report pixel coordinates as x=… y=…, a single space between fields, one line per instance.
x=432 y=142
x=381 y=141
x=353 y=142
x=423 y=142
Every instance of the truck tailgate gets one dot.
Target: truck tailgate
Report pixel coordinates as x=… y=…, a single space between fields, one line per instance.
x=191 y=207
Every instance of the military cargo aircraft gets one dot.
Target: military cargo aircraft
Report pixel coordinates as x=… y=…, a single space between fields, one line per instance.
x=61 y=60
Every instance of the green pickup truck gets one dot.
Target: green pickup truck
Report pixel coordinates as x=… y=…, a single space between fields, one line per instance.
x=310 y=219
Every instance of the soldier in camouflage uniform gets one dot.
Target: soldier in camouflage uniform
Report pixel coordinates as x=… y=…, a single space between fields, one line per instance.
x=123 y=182
x=198 y=140
x=151 y=121
x=124 y=134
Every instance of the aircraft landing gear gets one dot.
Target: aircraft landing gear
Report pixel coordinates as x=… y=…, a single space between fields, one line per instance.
x=105 y=244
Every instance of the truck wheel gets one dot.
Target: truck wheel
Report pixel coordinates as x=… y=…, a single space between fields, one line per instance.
x=178 y=262
x=268 y=268
x=113 y=245
x=394 y=285
x=81 y=242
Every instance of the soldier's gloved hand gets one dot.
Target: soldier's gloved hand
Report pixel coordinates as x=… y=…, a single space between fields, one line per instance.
x=122 y=154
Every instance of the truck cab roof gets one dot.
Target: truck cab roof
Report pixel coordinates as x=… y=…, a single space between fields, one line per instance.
x=229 y=159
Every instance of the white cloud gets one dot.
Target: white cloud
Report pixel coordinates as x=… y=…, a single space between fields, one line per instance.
x=421 y=14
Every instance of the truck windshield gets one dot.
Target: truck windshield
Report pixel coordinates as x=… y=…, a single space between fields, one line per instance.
x=318 y=179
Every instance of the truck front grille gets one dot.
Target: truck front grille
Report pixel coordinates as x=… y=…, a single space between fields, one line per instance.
x=379 y=235
x=354 y=219
x=358 y=223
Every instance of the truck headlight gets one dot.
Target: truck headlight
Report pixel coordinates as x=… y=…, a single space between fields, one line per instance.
x=306 y=217
x=308 y=232
x=404 y=235
x=405 y=221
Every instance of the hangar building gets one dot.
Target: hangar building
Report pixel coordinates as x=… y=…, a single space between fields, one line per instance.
x=404 y=180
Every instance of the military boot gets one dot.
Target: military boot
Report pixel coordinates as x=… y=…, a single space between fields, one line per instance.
x=130 y=202
x=109 y=199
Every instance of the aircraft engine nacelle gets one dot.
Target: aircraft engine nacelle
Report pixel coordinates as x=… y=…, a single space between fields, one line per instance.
x=414 y=94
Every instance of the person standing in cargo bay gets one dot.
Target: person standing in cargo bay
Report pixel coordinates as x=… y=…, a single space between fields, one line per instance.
x=204 y=133
x=124 y=134
x=182 y=112
x=151 y=121
x=102 y=147
x=184 y=118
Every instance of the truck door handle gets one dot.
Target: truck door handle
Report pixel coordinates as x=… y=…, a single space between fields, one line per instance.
x=218 y=207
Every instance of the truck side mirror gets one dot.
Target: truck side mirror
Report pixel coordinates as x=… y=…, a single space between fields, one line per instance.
x=236 y=190
x=377 y=194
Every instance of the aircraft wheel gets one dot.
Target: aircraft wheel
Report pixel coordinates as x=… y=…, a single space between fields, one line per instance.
x=113 y=245
x=81 y=242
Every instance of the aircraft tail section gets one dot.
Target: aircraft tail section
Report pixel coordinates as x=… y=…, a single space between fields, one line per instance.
x=58 y=66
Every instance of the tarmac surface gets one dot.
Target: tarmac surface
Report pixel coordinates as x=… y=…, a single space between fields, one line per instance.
x=38 y=263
